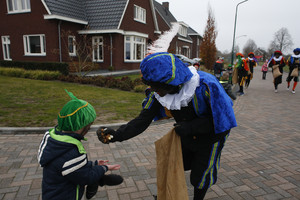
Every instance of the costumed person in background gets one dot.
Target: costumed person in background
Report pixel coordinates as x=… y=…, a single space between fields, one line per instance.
x=66 y=169
x=197 y=66
x=224 y=80
x=200 y=106
x=243 y=71
x=252 y=62
x=294 y=67
x=264 y=69
x=277 y=63
x=218 y=68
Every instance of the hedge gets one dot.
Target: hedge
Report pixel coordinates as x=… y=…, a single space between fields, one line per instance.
x=48 y=66
x=30 y=74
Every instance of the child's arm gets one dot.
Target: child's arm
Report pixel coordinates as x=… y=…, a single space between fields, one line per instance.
x=83 y=172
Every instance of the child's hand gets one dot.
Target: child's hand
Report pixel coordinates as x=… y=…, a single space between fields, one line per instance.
x=102 y=162
x=113 y=167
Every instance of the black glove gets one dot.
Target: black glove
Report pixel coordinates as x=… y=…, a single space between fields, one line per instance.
x=105 y=135
x=183 y=128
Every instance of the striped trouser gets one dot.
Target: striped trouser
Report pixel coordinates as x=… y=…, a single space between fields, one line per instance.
x=204 y=164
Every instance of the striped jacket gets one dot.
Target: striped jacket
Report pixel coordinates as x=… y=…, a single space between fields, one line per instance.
x=66 y=169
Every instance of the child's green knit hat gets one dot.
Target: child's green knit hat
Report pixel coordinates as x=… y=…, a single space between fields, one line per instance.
x=75 y=114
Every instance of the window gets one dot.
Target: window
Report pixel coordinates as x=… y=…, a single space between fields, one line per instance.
x=6 y=47
x=134 y=48
x=18 y=6
x=97 y=49
x=183 y=31
x=72 y=46
x=139 y=14
x=34 y=45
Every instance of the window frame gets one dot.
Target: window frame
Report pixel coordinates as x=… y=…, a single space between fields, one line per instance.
x=100 y=42
x=133 y=45
x=73 y=45
x=183 y=31
x=139 y=14
x=5 y=39
x=18 y=6
x=27 y=48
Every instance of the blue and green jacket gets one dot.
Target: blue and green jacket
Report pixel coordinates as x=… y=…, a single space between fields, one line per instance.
x=66 y=169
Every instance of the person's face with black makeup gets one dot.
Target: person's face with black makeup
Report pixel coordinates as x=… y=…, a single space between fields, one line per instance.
x=277 y=55
x=164 y=89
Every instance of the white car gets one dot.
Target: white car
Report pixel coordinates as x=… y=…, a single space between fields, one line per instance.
x=185 y=59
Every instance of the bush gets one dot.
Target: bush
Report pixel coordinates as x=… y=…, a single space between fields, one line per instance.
x=32 y=74
x=140 y=88
x=46 y=66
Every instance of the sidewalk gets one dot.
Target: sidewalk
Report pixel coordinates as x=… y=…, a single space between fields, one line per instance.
x=261 y=159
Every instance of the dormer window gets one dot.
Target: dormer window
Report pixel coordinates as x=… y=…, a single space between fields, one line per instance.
x=139 y=14
x=183 y=31
x=18 y=6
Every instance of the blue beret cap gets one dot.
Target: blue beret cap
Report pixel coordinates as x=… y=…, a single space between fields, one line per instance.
x=165 y=68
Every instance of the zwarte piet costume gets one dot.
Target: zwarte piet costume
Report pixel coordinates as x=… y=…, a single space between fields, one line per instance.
x=201 y=108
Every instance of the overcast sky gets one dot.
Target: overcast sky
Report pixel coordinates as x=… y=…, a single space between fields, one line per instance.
x=257 y=19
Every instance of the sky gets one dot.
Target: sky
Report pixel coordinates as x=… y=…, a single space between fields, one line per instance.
x=256 y=19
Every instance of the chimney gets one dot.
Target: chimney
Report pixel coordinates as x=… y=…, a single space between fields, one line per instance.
x=166 y=5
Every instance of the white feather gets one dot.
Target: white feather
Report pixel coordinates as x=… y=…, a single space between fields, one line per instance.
x=163 y=42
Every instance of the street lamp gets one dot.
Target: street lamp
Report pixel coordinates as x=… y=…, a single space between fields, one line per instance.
x=236 y=9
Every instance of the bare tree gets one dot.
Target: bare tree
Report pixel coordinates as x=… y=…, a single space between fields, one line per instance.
x=81 y=61
x=282 y=40
x=208 y=47
x=250 y=46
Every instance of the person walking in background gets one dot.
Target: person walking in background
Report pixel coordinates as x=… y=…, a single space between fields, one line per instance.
x=264 y=69
x=243 y=71
x=252 y=62
x=277 y=63
x=218 y=68
x=294 y=68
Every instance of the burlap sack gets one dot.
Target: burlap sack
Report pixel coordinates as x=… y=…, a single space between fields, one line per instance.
x=171 y=184
x=235 y=78
x=276 y=71
x=295 y=72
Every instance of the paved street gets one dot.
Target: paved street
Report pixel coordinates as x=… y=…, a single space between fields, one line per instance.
x=261 y=159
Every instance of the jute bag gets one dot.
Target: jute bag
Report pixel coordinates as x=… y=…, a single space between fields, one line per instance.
x=295 y=72
x=235 y=76
x=171 y=183
x=276 y=71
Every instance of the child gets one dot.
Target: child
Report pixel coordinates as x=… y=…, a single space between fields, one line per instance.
x=264 y=69
x=230 y=72
x=66 y=169
x=226 y=85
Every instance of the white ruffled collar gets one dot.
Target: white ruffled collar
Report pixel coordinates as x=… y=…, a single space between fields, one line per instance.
x=185 y=95
x=277 y=59
x=296 y=56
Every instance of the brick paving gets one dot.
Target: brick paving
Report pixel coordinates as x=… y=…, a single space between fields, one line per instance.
x=261 y=159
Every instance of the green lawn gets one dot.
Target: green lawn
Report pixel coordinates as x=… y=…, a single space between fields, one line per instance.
x=34 y=103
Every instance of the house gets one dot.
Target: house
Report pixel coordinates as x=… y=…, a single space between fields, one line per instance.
x=116 y=32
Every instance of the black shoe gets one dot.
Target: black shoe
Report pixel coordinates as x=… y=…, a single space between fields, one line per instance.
x=110 y=180
x=155 y=197
x=91 y=190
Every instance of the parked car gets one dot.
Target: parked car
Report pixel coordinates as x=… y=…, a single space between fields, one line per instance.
x=185 y=59
x=198 y=60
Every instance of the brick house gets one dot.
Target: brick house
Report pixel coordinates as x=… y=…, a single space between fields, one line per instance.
x=117 y=31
